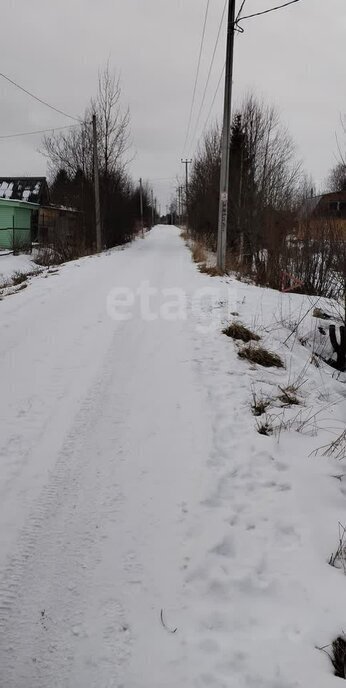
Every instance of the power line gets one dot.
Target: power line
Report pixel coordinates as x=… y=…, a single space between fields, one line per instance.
x=197 y=73
x=238 y=18
x=271 y=9
x=210 y=70
x=240 y=10
x=215 y=95
x=220 y=79
x=43 y=102
x=39 y=131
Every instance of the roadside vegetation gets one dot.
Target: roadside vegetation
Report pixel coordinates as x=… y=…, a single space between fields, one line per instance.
x=274 y=239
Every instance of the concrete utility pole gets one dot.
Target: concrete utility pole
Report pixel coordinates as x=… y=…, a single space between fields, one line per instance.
x=186 y=163
x=225 y=145
x=141 y=203
x=179 y=205
x=97 y=190
x=152 y=208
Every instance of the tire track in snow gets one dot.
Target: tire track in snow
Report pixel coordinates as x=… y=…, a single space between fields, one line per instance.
x=52 y=516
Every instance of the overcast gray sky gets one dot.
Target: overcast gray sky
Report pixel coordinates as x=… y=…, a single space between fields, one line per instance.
x=294 y=59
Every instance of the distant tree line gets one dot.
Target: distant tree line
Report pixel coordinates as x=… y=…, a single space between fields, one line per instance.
x=71 y=168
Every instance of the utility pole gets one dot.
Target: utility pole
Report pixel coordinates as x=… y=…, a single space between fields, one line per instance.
x=152 y=208
x=178 y=205
x=181 y=188
x=186 y=163
x=225 y=145
x=97 y=190
x=141 y=203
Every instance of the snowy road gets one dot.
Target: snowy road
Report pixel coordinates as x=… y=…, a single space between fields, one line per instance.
x=132 y=481
x=101 y=449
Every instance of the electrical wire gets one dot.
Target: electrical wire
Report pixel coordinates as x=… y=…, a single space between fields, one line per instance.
x=40 y=131
x=271 y=9
x=221 y=75
x=215 y=95
x=209 y=72
x=240 y=11
x=197 y=74
x=240 y=18
x=43 y=102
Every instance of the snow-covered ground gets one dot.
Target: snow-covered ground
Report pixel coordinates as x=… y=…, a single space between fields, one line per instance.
x=9 y=264
x=149 y=535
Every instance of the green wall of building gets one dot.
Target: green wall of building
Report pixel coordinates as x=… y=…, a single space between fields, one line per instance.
x=15 y=223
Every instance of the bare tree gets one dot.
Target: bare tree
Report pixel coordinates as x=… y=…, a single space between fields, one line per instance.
x=271 y=151
x=337 y=178
x=337 y=175
x=113 y=123
x=72 y=152
x=204 y=186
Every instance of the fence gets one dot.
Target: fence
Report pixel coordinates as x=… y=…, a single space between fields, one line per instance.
x=15 y=239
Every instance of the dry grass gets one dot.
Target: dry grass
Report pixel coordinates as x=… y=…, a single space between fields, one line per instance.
x=261 y=356
x=211 y=270
x=337 y=449
x=19 y=277
x=265 y=428
x=198 y=252
x=337 y=655
x=318 y=313
x=259 y=404
x=288 y=396
x=236 y=330
x=338 y=558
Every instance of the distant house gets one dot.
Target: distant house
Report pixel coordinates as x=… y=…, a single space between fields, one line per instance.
x=17 y=220
x=27 y=216
x=332 y=205
x=29 y=189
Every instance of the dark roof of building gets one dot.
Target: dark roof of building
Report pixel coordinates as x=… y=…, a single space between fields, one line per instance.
x=309 y=205
x=30 y=189
x=314 y=203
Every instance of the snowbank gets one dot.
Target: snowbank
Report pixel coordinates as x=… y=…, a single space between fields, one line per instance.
x=9 y=264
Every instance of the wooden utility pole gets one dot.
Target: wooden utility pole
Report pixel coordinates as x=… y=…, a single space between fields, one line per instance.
x=141 y=204
x=225 y=145
x=97 y=190
x=186 y=163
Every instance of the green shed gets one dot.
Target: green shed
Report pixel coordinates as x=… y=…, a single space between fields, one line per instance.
x=16 y=220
